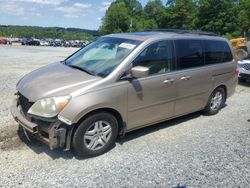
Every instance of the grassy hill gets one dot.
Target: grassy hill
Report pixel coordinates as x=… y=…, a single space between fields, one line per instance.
x=47 y=32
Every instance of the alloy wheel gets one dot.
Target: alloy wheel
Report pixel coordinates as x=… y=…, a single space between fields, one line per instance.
x=97 y=135
x=216 y=101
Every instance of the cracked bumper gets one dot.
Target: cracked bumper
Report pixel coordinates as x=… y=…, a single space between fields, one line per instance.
x=52 y=134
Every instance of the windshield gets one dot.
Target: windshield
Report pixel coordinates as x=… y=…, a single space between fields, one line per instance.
x=102 y=56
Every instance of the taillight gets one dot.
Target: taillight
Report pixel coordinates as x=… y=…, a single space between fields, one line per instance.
x=236 y=72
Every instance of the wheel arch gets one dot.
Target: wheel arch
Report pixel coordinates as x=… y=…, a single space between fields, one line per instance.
x=223 y=86
x=207 y=110
x=121 y=123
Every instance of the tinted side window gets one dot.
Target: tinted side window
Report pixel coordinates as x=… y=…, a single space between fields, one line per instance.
x=189 y=53
x=217 y=52
x=158 y=57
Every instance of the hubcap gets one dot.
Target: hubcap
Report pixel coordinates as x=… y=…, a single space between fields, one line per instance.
x=216 y=101
x=97 y=135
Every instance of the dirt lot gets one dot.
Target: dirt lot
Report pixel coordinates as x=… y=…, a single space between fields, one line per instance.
x=195 y=150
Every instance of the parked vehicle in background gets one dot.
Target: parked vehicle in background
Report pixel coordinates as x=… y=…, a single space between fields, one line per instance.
x=122 y=82
x=33 y=42
x=44 y=43
x=25 y=40
x=16 y=42
x=244 y=70
x=3 y=41
x=243 y=64
x=239 y=43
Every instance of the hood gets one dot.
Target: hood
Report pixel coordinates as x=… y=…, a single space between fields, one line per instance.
x=55 y=79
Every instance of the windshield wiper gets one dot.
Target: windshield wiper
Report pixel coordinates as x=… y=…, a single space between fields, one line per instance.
x=82 y=69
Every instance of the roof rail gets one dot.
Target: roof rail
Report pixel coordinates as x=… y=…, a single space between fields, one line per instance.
x=182 y=31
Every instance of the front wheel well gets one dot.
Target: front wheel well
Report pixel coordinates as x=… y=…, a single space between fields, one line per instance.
x=121 y=124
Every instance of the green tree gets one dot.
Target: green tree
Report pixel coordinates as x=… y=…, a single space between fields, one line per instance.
x=225 y=17
x=121 y=16
x=244 y=16
x=116 y=19
x=155 y=15
x=181 y=14
x=46 y=32
x=135 y=11
x=218 y=16
x=134 y=7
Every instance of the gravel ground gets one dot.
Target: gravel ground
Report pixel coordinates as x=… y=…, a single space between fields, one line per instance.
x=191 y=151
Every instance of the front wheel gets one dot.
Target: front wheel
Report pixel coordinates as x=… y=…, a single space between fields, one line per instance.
x=96 y=134
x=216 y=101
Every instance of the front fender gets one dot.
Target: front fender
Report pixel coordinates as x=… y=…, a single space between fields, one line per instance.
x=114 y=97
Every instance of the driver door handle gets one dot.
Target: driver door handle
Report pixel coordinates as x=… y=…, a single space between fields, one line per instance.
x=185 y=77
x=169 y=81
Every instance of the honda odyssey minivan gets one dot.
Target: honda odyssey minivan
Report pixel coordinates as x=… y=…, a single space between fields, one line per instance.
x=122 y=82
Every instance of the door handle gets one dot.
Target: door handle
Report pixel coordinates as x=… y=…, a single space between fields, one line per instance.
x=168 y=81
x=185 y=77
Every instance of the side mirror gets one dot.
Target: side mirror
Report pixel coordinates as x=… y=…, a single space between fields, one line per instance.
x=240 y=54
x=139 y=72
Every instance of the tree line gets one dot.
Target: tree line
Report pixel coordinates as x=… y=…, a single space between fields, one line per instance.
x=47 y=32
x=230 y=18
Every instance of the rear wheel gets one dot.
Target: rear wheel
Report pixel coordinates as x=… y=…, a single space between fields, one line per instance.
x=216 y=101
x=96 y=134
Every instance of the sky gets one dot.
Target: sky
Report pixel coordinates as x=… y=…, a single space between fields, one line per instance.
x=85 y=14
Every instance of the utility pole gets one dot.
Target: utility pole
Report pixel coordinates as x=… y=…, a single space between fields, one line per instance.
x=131 y=24
x=131 y=20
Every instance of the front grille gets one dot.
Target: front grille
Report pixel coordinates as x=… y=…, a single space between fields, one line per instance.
x=247 y=76
x=245 y=66
x=24 y=103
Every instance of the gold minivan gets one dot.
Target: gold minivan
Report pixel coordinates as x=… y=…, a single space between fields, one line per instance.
x=122 y=82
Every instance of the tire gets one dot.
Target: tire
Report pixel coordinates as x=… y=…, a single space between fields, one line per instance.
x=95 y=135
x=216 y=101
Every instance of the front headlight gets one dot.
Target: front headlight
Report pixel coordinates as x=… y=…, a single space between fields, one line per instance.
x=49 y=107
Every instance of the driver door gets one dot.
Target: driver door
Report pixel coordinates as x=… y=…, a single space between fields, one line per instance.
x=152 y=98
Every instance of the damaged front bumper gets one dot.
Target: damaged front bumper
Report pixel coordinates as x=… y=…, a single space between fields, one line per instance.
x=53 y=133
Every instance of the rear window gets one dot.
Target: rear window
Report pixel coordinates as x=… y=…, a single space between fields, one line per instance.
x=189 y=53
x=217 y=52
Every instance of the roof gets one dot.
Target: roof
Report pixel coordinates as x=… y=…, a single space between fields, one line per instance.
x=165 y=33
x=142 y=36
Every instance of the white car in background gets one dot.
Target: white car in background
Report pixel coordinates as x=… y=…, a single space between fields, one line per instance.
x=244 y=69
x=44 y=43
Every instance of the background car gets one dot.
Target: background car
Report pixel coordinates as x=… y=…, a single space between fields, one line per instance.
x=244 y=70
x=3 y=41
x=44 y=43
x=239 y=43
x=33 y=43
x=243 y=64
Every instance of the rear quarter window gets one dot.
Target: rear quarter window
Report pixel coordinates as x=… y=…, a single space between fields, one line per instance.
x=217 y=52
